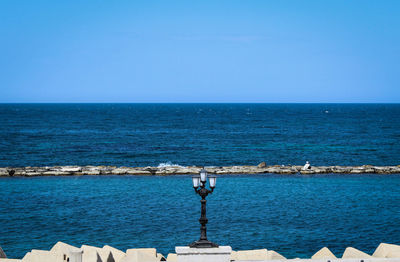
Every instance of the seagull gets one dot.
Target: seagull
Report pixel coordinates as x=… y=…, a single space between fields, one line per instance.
x=306 y=166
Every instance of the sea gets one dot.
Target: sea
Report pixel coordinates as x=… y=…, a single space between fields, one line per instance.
x=294 y=215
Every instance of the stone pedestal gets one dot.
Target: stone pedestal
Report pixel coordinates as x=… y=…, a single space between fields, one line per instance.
x=215 y=254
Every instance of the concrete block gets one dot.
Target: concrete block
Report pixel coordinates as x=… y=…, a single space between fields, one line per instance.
x=217 y=254
x=65 y=252
x=39 y=256
x=172 y=257
x=92 y=254
x=233 y=255
x=273 y=255
x=74 y=256
x=160 y=257
x=394 y=254
x=60 y=247
x=384 y=250
x=116 y=254
x=27 y=256
x=105 y=254
x=141 y=255
x=354 y=253
x=323 y=253
x=257 y=254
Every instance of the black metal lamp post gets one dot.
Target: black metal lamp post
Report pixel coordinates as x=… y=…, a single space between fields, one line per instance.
x=200 y=181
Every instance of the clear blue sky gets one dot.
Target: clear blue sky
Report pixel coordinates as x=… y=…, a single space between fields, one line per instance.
x=199 y=51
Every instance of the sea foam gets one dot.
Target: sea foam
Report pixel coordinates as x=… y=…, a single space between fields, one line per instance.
x=168 y=164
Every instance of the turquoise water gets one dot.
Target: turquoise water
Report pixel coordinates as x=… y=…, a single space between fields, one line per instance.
x=294 y=215
x=199 y=134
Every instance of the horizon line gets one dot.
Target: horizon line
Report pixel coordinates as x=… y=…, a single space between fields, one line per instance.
x=199 y=102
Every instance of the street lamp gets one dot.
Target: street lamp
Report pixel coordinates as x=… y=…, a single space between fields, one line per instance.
x=200 y=181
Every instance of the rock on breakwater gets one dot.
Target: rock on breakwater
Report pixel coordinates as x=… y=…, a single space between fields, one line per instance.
x=189 y=170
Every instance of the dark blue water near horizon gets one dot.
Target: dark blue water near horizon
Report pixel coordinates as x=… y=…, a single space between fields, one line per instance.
x=199 y=134
x=295 y=215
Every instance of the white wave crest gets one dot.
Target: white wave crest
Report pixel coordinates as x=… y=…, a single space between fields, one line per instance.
x=168 y=164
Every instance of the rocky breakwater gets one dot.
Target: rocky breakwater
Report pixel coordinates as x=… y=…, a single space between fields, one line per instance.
x=262 y=168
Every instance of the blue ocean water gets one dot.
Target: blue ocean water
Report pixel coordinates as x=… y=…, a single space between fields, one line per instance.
x=294 y=215
x=199 y=134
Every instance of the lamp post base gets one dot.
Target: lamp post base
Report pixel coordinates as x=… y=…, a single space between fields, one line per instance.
x=203 y=244
x=189 y=254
